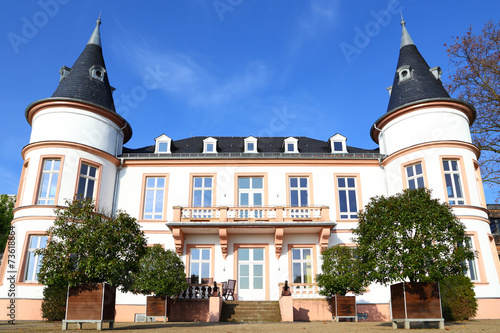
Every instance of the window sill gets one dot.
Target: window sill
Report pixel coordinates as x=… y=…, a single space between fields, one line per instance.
x=30 y=283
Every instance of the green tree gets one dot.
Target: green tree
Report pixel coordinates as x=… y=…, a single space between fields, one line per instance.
x=6 y=216
x=90 y=247
x=476 y=79
x=161 y=273
x=54 y=302
x=341 y=272
x=410 y=236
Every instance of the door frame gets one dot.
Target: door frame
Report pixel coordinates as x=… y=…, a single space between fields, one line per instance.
x=265 y=246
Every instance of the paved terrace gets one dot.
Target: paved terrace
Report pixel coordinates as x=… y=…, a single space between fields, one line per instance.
x=312 y=327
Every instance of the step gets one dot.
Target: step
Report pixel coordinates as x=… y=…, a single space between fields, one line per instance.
x=250 y=311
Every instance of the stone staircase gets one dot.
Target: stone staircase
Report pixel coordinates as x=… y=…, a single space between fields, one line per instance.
x=250 y=311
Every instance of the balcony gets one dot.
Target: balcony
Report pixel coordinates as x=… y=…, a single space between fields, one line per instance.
x=251 y=214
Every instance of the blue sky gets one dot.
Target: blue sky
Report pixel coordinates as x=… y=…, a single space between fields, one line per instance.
x=225 y=67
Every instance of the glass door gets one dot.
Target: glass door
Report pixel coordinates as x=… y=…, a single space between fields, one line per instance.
x=251 y=274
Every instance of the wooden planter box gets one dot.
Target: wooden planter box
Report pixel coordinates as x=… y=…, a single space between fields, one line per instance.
x=93 y=303
x=156 y=307
x=418 y=301
x=344 y=307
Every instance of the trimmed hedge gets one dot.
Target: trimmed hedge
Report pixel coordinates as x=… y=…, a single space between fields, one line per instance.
x=458 y=298
x=54 y=302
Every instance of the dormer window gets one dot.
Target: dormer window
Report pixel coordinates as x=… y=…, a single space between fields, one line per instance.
x=210 y=146
x=291 y=144
x=64 y=71
x=251 y=145
x=163 y=144
x=338 y=144
x=405 y=73
x=97 y=72
x=437 y=72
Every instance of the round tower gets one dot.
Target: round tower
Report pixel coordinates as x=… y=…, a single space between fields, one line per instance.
x=76 y=137
x=426 y=139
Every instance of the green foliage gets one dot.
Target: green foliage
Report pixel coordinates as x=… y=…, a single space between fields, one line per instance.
x=410 y=236
x=161 y=273
x=54 y=302
x=6 y=216
x=458 y=298
x=90 y=247
x=341 y=272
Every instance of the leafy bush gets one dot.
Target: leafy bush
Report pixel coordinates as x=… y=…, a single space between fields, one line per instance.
x=54 y=302
x=341 y=272
x=458 y=298
x=161 y=273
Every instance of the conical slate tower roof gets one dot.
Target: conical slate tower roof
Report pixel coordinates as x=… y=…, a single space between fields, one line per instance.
x=87 y=80
x=414 y=80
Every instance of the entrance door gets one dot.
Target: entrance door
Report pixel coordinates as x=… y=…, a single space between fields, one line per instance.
x=251 y=274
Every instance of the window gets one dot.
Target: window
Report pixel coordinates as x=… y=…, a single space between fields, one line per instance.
x=347 y=197
x=154 y=198
x=453 y=183
x=302 y=265
x=163 y=144
x=97 y=72
x=405 y=73
x=33 y=260
x=299 y=191
x=415 y=176
x=250 y=145
x=210 y=145
x=338 y=143
x=48 y=182
x=471 y=264
x=290 y=145
x=86 y=182
x=199 y=264
x=202 y=191
x=250 y=191
x=163 y=147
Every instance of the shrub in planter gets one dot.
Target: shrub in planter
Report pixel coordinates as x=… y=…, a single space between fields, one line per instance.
x=161 y=273
x=458 y=298
x=341 y=274
x=54 y=302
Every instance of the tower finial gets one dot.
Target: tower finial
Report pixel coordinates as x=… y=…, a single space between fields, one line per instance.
x=405 y=36
x=96 y=35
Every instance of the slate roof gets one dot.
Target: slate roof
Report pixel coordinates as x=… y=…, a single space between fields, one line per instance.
x=236 y=145
x=422 y=85
x=79 y=85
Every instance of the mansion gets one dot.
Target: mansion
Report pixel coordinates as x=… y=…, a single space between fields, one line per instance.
x=259 y=210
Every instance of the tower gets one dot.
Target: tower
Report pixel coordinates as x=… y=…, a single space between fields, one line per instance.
x=75 y=140
x=426 y=139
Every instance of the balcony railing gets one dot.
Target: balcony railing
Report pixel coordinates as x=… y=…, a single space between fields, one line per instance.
x=303 y=290
x=235 y=214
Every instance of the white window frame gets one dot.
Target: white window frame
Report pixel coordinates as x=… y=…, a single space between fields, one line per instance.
x=33 y=259
x=291 y=141
x=156 y=190
x=210 y=143
x=199 y=262
x=338 y=138
x=472 y=265
x=415 y=176
x=453 y=182
x=248 y=141
x=251 y=191
x=160 y=142
x=302 y=261
x=299 y=189
x=346 y=189
x=53 y=178
x=88 y=179
x=203 y=190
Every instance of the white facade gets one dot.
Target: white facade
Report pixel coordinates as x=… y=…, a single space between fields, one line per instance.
x=243 y=216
